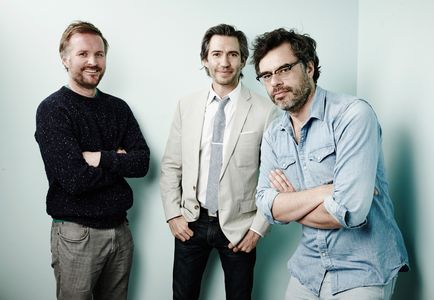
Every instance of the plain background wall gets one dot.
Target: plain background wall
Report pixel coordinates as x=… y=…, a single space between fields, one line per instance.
x=154 y=60
x=396 y=47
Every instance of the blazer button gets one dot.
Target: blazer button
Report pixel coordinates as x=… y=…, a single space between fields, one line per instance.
x=376 y=192
x=196 y=206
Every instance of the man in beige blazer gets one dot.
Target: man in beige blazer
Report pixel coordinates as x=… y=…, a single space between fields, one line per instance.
x=234 y=229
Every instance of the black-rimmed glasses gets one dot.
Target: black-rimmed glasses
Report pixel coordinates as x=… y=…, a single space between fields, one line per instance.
x=281 y=73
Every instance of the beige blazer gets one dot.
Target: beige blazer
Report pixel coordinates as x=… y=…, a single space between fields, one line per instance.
x=239 y=174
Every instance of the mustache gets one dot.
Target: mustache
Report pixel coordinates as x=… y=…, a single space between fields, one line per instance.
x=91 y=68
x=277 y=90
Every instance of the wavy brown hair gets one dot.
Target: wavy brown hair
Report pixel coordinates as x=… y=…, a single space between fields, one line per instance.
x=302 y=45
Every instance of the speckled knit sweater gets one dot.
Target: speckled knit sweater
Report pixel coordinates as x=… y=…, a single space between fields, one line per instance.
x=68 y=124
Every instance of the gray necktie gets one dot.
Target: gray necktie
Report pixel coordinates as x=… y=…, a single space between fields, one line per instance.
x=215 y=162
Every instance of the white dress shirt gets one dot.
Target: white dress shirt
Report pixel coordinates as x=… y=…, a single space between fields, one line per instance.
x=207 y=130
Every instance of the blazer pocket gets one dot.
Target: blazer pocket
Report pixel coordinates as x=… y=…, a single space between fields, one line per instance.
x=247 y=149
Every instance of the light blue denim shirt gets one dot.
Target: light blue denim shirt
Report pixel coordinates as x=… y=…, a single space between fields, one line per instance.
x=341 y=144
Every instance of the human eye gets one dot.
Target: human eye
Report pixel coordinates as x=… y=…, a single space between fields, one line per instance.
x=215 y=54
x=283 y=70
x=82 y=54
x=266 y=76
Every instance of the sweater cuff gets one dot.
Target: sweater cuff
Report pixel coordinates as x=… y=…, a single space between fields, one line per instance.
x=108 y=160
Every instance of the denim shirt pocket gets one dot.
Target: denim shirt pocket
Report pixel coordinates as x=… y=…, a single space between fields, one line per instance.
x=288 y=166
x=322 y=162
x=285 y=162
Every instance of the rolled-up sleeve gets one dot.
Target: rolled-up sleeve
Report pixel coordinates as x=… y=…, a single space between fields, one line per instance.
x=358 y=141
x=265 y=194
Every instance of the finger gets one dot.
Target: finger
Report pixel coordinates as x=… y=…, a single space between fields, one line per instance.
x=184 y=236
x=272 y=183
x=246 y=249
x=280 y=177
x=277 y=182
x=271 y=180
x=283 y=177
x=188 y=232
x=180 y=237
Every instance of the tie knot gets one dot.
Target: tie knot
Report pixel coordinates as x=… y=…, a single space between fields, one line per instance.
x=222 y=103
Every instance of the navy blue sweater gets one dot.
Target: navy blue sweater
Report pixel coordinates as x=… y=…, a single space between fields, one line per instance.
x=68 y=124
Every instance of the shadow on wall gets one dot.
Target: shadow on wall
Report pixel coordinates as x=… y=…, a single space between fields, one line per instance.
x=271 y=273
x=404 y=195
x=139 y=187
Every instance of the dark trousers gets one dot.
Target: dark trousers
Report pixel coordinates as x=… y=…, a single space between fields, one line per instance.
x=191 y=258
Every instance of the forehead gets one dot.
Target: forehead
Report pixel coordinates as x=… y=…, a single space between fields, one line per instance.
x=86 y=41
x=276 y=58
x=224 y=43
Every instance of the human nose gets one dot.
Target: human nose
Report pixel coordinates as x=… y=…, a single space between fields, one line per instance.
x=225 y=61
x=275 y=80
x=92 y=60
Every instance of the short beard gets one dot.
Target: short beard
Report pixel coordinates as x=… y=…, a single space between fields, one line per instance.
x=81 y=82
x=300 y=97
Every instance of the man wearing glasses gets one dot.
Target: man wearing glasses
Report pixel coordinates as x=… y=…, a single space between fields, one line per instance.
x=322 y=166
x=209 y=171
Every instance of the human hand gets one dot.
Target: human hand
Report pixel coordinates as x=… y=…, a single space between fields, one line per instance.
x=180 y=229
x=279 y=182
x=121 y=151
x=92 y=158
x=247 y=244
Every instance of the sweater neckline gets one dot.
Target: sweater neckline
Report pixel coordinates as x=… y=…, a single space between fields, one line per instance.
x=68 y=91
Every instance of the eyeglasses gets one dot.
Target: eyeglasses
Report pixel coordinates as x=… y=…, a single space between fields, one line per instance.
x=281 y=72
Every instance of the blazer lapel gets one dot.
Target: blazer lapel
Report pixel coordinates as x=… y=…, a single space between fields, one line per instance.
x=241 y=112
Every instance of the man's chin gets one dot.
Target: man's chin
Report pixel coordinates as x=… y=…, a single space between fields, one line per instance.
x=281 y=104
x=89 y=84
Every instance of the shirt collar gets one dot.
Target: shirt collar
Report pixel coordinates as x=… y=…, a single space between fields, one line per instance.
x=318 y=104
x=316 y=110
x=234 y=95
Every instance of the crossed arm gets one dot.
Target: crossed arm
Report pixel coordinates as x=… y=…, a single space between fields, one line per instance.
x=347 y=203
x=77 y=171
x=305 y=207
x=93 y=158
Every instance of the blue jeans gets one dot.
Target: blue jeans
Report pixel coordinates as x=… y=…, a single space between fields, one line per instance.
x=191 y=258
x=89 y=263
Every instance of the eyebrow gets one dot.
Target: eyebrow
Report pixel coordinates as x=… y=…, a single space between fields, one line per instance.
x=221 y=51
x=271 y=72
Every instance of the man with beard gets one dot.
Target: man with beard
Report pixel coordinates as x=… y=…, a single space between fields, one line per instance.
x=209 y=171
x=89 y=142
x=322 y=166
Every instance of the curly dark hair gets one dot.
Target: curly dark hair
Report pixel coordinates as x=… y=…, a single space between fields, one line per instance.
x=225 y=30
x=302 y=45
